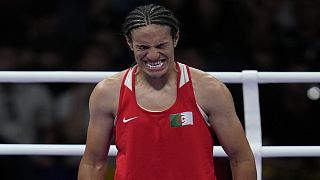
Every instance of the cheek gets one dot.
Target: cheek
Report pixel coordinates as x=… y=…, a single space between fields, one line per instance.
x=168 y=53
x=139 y=55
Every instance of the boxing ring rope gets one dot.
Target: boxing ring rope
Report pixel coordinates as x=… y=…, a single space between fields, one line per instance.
x=77 y=150
x=248 y=78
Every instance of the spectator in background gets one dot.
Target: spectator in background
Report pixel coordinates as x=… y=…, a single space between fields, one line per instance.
x=25 y=116
x=25 y=108
x=71 y=107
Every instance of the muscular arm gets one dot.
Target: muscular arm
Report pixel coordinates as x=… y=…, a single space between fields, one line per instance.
x=101 y=107
x=217 y=101
x=230 y=133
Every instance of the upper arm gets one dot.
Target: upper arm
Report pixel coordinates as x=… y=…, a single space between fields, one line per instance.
x=102 y=108
x=216 y=100
x=226 y=124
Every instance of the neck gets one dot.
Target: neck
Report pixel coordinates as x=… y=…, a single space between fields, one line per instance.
x=157 y=83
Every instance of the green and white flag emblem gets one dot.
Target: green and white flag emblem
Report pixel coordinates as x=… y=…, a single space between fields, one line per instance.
x=181 y=119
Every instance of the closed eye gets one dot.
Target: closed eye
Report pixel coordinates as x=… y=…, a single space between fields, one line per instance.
x=162 y=45
x=142 y=47
x=145 y=47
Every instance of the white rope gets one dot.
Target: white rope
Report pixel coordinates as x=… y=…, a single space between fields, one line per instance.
x=249 y=79
x=64 y=150
x=288 y=77
x=52 y=76
x=78 y=150
x=290 y=151
x=41 y=149
x=93 y=77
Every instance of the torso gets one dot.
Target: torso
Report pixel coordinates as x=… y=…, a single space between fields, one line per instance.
x=151 y=146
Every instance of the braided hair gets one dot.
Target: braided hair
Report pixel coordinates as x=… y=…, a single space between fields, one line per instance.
x=150 y=14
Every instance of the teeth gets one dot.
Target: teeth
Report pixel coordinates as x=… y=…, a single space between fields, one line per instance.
x=154 y=64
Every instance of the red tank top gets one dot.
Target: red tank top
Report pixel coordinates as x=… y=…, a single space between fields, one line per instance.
x=175 y=144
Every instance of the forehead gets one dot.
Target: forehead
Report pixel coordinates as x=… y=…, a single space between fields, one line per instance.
x=151 y=34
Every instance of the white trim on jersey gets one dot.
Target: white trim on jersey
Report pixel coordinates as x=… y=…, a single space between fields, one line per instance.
x=128 y=81
x=204 y=115
x=184 y=78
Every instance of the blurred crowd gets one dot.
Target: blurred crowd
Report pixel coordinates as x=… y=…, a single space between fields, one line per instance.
x=216 y=35
x=85 y=35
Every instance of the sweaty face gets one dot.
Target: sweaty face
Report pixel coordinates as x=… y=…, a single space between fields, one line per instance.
x=153 y=48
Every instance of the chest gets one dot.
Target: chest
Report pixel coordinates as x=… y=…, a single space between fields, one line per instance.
x=156 y=100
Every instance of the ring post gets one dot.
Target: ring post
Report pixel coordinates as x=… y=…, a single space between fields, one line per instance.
x=252 y=116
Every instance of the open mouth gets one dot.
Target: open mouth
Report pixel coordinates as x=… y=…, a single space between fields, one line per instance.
x=154 y=64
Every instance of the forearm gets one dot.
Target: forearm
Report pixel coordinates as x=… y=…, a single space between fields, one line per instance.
x=243 y=169
x=89 y=171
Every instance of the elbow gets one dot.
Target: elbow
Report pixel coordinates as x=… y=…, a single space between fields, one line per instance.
x=243 y=167
x=92 y=169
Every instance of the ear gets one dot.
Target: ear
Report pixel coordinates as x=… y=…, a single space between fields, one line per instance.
x=129 y=42
x=176 y=39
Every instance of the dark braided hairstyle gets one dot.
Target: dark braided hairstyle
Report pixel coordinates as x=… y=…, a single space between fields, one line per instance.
x=150 y=14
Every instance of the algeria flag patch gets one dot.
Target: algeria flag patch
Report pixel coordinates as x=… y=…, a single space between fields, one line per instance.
x=181 y=119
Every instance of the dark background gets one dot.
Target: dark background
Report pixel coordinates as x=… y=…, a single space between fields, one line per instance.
x=216 y=35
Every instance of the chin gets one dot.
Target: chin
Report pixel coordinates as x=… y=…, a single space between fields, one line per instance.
x=156 y=74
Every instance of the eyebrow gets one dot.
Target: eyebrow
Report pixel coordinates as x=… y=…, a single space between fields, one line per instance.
x=158 y=45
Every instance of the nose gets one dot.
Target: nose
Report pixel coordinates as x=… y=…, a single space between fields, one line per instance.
x=153 y=54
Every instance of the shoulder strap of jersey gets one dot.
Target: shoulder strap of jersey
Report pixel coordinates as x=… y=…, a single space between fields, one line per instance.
x=184 y=75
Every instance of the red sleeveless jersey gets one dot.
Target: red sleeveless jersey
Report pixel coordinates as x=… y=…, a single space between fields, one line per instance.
x=175 y=144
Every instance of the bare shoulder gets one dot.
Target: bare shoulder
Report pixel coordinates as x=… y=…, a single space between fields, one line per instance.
x=106 y=93
x=204 y=83
x=210 y=92
x=110 y=83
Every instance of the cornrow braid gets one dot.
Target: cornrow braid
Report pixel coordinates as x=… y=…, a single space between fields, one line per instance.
x=150 y=14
